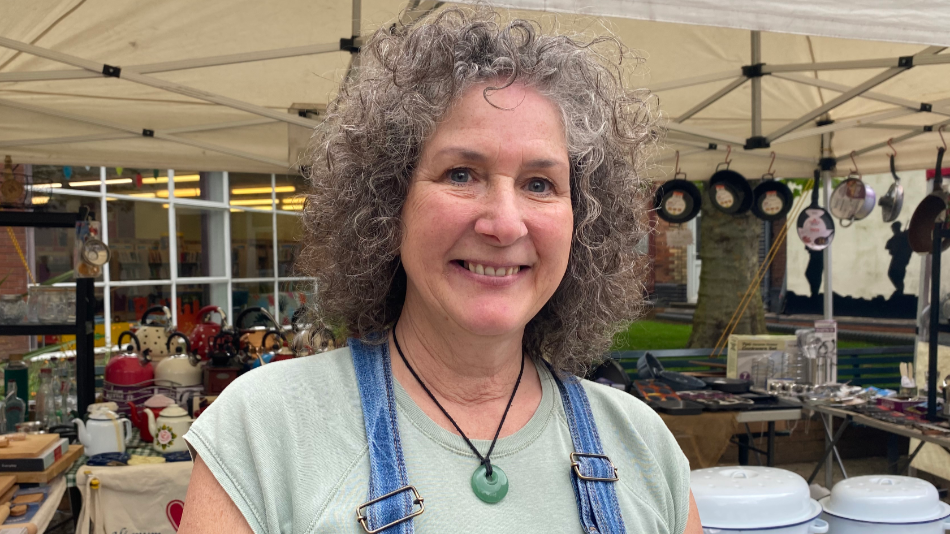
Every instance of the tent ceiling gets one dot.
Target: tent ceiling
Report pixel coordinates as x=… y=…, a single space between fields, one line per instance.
x=197 y=134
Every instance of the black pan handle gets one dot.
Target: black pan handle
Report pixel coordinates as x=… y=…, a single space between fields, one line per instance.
x=894 y=170
x=814 y=189
x=938 y=170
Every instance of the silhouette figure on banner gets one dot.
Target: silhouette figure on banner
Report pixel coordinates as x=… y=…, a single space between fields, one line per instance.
x=898 y=246
x=816 y=267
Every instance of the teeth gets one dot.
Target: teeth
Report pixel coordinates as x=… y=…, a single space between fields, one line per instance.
x=491 y=271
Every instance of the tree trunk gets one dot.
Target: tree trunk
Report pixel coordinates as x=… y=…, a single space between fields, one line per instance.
x=729 y=249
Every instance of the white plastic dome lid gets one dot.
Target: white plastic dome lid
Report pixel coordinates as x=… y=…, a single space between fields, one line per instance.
x=751 y=498
x=886 y=499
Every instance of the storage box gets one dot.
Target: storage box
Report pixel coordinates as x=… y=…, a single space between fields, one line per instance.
x=743 y=350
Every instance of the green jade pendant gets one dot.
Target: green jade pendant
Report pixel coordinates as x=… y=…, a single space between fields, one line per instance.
x=490 y=489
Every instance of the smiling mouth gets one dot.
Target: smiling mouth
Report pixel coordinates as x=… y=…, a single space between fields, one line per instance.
x=486 y=270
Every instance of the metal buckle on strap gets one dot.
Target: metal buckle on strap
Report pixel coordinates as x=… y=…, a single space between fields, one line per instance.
x=417 y=499
x=577 y=471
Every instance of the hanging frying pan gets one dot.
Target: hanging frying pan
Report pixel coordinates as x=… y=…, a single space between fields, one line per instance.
x=678 y=200
x=892 y=201
x=852 y=200
x=771 y=199
x=931 y=210
x=816 y=228
x=729 y=191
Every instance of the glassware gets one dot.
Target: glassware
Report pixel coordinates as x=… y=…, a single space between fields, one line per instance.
x=18 y=371
x=45 y=399
x=52 y=305
x=14 y=408
x=12 y=309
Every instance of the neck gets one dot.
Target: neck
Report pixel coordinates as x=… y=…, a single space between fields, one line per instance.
x=471 y=376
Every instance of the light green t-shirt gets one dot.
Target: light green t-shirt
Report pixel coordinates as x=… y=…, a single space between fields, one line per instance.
x=288 y=445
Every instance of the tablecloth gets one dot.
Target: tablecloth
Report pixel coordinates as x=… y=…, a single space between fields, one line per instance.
x=703 y=438
x=135 y=446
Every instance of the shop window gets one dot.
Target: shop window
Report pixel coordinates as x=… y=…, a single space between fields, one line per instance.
x=138 y=236
x=201 y=250
x=193 y=297
x=246 y=295
x=130 y=302
x=252 y=244
x=292 y=296
x=289 y=236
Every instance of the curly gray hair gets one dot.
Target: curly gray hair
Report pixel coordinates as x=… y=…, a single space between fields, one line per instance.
x=365 y=152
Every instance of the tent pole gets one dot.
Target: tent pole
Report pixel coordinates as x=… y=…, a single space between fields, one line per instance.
x=714 y=136
x=826 y=152
x=712 y=99
x=157 y=83
x=846 y=124
x=751 y=153
x=929 y=58
x=139 y=132
x=870 y=95
x=848 y=95
x=756 y=85
x=357 y=17
x=181 y=64
x=696 y=80
x=917 y=131
x=117 y=136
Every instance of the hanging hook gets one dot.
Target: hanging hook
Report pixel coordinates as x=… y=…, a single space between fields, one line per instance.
x=890 y=143
x=728 y=152
x=855 y=169
x=771 y=163
x=940 y=131
x=677 y=166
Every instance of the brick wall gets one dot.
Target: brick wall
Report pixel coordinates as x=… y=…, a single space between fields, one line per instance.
x=12 y=266
x=669 y=263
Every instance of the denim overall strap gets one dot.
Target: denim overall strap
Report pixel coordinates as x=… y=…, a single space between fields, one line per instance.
x=389 y=507
x=592 y=473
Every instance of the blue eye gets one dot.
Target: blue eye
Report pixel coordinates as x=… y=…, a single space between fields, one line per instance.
x=460 y=176
x=539 y=185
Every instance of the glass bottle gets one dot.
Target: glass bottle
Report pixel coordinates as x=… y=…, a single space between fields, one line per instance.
x=59 y=382
x=45 y=398
x=70 y=396
x=14 y=407
x=18 y=371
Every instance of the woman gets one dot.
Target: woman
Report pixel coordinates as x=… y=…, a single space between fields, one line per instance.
x=476 y=201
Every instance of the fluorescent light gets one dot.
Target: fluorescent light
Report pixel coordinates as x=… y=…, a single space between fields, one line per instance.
x=53 y=185
x=263 y=190
x=111 y=181
x=292 y=207
x=251 y=202
x=181 y=193
x=164 y=179
x=39 y=200
x=143 y=195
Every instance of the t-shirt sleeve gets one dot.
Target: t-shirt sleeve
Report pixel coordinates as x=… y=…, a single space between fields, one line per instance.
x=223 y=437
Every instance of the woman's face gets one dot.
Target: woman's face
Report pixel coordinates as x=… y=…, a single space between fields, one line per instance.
x=488 y=220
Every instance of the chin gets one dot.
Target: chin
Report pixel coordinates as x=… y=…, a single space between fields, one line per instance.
x=492 y=325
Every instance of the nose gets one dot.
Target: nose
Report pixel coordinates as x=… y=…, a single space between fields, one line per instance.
x=502 y=220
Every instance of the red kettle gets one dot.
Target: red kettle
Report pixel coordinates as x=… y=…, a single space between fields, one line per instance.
x=130 y=367
x=205 y=330
x=155 y=404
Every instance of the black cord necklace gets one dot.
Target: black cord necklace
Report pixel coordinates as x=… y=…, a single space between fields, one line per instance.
x=489 y=483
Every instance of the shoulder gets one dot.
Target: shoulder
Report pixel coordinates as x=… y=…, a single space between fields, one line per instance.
x=651 y=464
x=259 y=436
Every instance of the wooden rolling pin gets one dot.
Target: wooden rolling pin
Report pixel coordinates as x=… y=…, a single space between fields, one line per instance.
x=4 y=512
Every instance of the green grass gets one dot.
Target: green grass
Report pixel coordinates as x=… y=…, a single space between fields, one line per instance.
x=655 y=335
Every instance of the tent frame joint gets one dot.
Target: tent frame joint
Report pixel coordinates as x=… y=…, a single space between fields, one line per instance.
x=924 y=106
x=350 y=44
x=111 y=71
x=824 y=122
x=929 y=128
x=148 y=133
x=712 y=146
x=754 y=71
x=827 y=164
x=756 y=141
x=905 y=61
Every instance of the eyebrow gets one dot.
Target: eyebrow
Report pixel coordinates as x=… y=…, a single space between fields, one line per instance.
x=478 y=157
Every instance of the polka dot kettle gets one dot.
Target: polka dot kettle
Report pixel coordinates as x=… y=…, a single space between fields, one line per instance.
x=153 y=334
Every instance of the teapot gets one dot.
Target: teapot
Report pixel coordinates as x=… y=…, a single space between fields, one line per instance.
x=182 y=366
x=154 y=404
x=204 y=332
x=252 y=337
x=168 y=429
x=130 y=367
x=105 y=431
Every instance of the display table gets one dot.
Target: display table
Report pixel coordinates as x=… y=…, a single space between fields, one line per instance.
x=705 y=437
x=831 y=439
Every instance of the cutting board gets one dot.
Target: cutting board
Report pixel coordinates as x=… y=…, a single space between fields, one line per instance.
x=61 y=465
x=6 y=482
x=31 y=447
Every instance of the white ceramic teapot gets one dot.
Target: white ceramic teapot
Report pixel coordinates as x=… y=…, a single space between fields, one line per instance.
x=168 y=430
x=105 y=431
